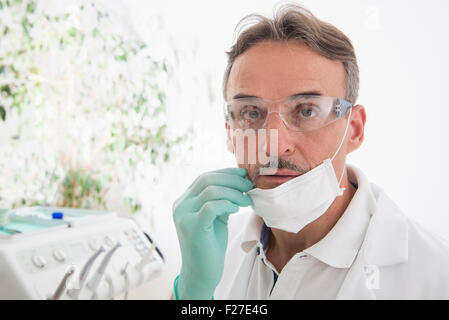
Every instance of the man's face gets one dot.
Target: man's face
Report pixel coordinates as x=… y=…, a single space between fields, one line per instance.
x=276 y=70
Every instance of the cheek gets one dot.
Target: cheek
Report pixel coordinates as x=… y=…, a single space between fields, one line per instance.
x=332 y=138
x=319 y=145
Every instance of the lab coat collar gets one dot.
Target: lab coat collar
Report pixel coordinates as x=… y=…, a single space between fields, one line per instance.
x=386 y=241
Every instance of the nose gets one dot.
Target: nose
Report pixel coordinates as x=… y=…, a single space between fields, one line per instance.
x=286 y=146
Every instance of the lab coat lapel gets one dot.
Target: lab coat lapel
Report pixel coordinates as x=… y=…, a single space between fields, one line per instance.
x=387 y=234
x=385 y=243
x=241 y=280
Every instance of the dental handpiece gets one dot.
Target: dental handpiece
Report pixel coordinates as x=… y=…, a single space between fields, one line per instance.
x=126 y=278
x=62 y=285
x=74 y=293
x=94 y=282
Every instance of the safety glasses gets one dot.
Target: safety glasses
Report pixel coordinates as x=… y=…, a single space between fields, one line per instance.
x=299 y=112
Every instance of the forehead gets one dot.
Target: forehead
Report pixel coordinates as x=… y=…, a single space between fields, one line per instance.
x=274 y=70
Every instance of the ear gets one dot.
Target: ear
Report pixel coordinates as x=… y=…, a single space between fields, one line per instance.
x=357 y=126
x=229 y=143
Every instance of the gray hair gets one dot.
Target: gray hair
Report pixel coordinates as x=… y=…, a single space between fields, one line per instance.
x=294 y=22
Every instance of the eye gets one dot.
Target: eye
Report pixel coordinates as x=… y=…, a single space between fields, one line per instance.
x=306 y=111
x=251 y=113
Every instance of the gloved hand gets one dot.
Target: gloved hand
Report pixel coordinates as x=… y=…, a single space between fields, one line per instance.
x=201 y=216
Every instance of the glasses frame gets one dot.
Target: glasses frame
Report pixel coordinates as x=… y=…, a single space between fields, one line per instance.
x=341 y=106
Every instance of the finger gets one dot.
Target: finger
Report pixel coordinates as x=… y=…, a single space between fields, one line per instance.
x=211 y=193
x=238 y=171
x=220 y=179
x=235 y=171
x=213 y=209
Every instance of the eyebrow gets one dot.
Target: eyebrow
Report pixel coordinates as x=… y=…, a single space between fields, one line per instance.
x=307 y=93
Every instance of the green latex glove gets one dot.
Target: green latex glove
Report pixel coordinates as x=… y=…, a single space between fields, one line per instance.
x=201 y=219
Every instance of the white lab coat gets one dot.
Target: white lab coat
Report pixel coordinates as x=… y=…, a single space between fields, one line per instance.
x=398 y=258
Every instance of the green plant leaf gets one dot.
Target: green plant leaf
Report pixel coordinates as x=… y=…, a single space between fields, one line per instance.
x=6 y=89
x=2 y=113
x=31 y=7
x=122 y=57
x=134 y=135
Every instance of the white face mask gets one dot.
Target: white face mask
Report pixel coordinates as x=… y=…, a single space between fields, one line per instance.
x=299 y=201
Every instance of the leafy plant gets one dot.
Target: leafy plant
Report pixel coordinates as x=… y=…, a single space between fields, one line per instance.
x=87 y=101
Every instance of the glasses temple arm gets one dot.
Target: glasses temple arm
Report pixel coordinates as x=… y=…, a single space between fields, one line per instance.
x=342 y=107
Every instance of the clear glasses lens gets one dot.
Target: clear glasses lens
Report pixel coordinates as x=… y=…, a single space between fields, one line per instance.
x=300 y=113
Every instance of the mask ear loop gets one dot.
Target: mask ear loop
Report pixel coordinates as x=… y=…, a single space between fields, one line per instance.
x=338 y=150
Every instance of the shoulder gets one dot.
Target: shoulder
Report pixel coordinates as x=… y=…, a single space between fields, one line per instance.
x=425 y=273
x=427 y=245
x=419 y=238
x=413 y=261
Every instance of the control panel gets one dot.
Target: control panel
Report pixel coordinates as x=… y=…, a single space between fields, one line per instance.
x=89 y=261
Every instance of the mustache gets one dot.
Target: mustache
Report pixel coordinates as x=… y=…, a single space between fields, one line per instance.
x=284 y=164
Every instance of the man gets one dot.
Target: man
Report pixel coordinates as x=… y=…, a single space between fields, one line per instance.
x=318 y=228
